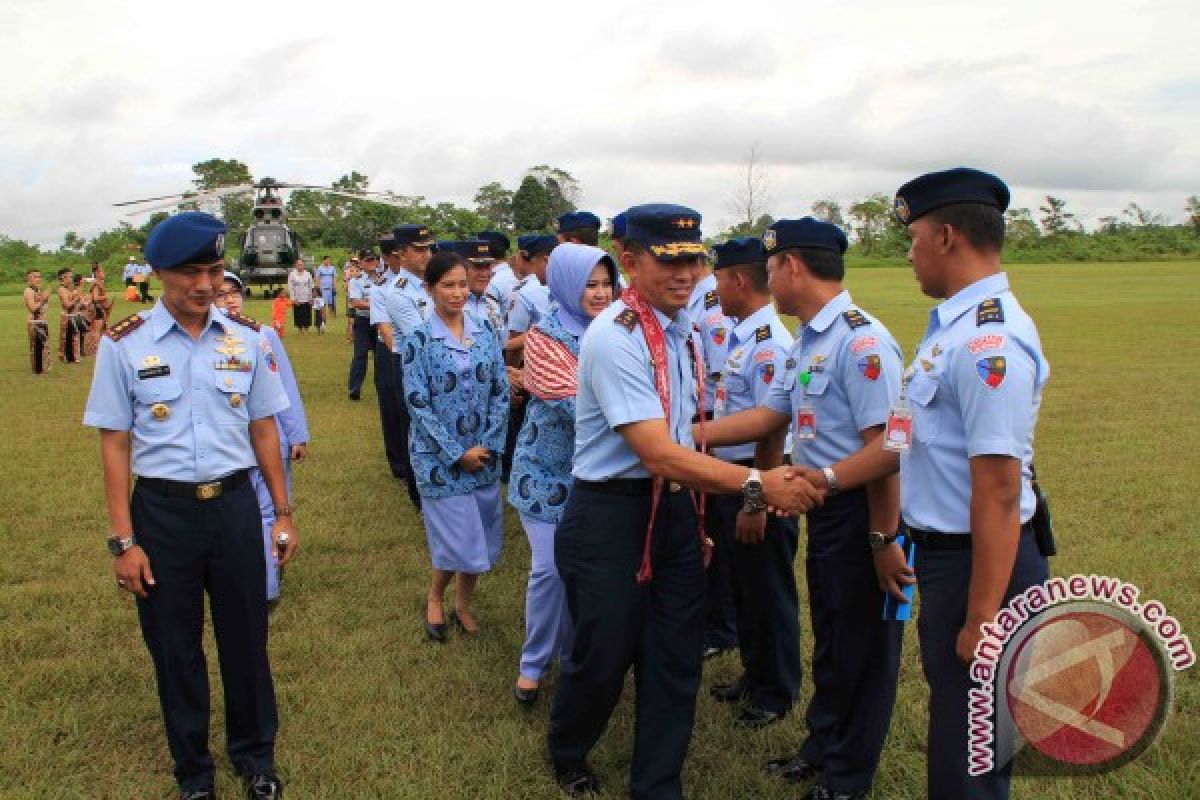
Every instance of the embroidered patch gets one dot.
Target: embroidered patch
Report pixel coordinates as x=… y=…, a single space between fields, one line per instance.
x=401 y=282
x=766 y=354
x=716 y=318
x=992 y=341
x=271 y=363
x=718 y=335
x=710 y=299
x=627 y=319
x=154 y=372
x=762 y=333
x=863 y=343
x=769 y=239
x=817 y=364
x=855 y=318
x=989 y=310
x=767 y=372
x=125 y=327
x=991 y=370
x=870 y=366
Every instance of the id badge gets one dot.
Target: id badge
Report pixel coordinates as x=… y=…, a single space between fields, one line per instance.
x=897 y=434
x=806 y=423
x=719 y=400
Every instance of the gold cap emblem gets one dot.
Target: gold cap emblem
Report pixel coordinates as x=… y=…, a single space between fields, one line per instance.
x=769 y=239
x=235 y=400
x=901 y=206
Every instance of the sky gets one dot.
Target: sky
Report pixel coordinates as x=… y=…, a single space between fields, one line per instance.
x=1098 y=103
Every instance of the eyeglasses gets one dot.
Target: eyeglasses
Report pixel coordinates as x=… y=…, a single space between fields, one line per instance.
x=229 y=293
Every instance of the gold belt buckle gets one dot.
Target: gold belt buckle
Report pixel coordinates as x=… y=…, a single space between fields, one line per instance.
x=207 y=491
x=674 y=486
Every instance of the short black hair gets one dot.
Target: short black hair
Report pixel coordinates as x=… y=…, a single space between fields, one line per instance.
x=441 y=263
x=755 y=273
x=825 y=265
x=583 y=235
x=29 y=272
x=63 y=271
x=982 y=225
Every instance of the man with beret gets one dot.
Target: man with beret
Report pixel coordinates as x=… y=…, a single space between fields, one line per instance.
x=406 y=306
x=480 y=258
x=966 y=496
x=753 y=561
x=836 y=390
x=579 y=227
x=629 y=548
x=184 y=398
x=358 y=295
x=395 y=440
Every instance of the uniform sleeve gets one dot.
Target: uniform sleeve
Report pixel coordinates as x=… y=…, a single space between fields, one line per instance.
x=519 y=316
x=996 y=394
x=292 y=419
x=402 y=313
x=354 y=290
x=109 y=403
x=267 y=396
x=496 y=426
x=379 y=300
x=870 y=373
x=620 y=380
x=779 y=395
x=419 y=399
x=766 y=372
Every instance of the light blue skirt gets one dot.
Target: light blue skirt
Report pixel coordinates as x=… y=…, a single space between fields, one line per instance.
x=466 y=531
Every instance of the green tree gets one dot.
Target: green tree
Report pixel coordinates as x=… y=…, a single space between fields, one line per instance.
x=73 y=243
x=1019 y=228
x=1056 y=220
x=754 y=229
x=829 y=210
x=1140 y=217
x=532 y=206
x=495 y=204
x=562 y=190
x=118 y=241
x=216 y=173
x=870 y=218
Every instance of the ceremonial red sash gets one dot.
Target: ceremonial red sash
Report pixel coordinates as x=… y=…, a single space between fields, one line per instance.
x=656 y=342
x=550 y=367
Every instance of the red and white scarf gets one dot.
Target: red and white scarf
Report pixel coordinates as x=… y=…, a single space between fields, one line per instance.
x=551 y=369
x=656 y=342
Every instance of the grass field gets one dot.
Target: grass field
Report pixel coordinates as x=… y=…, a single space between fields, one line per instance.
x=369 y=709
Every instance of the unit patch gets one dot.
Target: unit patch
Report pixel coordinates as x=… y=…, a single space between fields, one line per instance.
x=870 y=366
x=989 y=310
x=991 y=370
x=863 y=343
x=992 y=341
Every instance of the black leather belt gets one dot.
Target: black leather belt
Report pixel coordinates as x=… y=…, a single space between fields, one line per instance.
x=209 y=490
x=626 y=487
x=936 y=540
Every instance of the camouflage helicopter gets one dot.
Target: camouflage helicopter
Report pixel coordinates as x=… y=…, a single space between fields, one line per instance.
x=270 y=247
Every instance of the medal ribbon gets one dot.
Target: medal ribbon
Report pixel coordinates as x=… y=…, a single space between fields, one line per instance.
x=656 y=343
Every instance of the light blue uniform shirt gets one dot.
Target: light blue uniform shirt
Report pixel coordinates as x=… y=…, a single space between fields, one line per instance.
x=854 y=366
x=481 y=306
x=500 y=288
x=408 y=306
x=200 y=431
x=704 y=308
x=378 y=298
x=530 y=302
x=131 y=269
x=758 y=347
x=359 y=288
x=974 y=389
x=616 y=387
x=326 y=274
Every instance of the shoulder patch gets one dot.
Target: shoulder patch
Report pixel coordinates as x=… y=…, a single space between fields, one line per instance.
x=378 y=279
x=627 y=319
x=989 y=310
x=855 y=319
x=401 y=282
x=125 y=327
x=863 y=343
x=710 y=298
x=762 y=333
x=243 y=320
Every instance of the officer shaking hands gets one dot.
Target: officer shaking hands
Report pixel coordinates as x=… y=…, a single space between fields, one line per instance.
x=184 y=398
x=972 y=396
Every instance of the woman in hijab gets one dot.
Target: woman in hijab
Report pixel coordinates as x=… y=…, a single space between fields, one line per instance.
x=456 y=388
x=581 y=280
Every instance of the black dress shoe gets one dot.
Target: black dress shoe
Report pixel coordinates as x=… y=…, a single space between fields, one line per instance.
x=263 y=787
x=434 y=631
x=820 y=791
x=730 y=692
x=526 y=697
x=354 y=396
x=576 y=781
x=793 y=769
x=198 y=794
x=757 y=718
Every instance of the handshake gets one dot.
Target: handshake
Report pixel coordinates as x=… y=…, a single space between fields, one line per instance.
x=790 y=490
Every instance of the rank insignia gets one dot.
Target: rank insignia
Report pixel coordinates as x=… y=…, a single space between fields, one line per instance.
x=991 y=371
x=870 y=366
x=936 y=351
x=762 y=333
x=710 y=299
x=718 y=335
x=151 y=361
x=125 y=326
x=767 y=371
x=235 y=400
x=160 y=411
x=855 y=319
x=817 y=364
x=989 y=311
x=926 y=365
x=401 y=282
x=627 y=319
x=769 y=239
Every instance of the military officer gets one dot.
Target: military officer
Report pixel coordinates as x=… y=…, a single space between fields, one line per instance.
x=184 y=398
x=480 y=259
x=758 y=570
x=579 y=227
x=530 y=298
x=967 y=499
x=395 y=445
x=358 y=296
x=628 y=547
x=503 y=277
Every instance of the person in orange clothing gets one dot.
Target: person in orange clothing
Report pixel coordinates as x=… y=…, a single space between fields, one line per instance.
x=279 y=310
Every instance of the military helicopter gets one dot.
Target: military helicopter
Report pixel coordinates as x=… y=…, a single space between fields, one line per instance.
x=270 y=247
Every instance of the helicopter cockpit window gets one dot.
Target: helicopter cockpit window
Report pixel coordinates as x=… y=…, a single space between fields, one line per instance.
x=269 y=238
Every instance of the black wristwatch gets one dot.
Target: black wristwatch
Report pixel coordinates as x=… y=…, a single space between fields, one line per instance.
x=878 y=540
x=119 y=545
x=752 y=493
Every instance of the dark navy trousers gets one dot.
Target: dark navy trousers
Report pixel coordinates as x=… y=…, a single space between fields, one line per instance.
x=721 y=610
x=403 y=425
x=767 y=606
x=395 y=436
x=943 y=579
x=213 y=546
x=655 y=627
x=856 y=654
x=364 y=342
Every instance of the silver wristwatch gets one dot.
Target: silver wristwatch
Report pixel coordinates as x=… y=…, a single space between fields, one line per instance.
x=119 y=545
x=878 y=540
x=830 y=480
x=752 y=493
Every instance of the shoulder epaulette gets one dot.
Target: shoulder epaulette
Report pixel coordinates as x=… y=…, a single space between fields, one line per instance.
x=855 y=319
x=710 y=298
x=762 y=333
x=243 y=320
x=401 y=282
x=989 y=310
x=378 y=279
x=627 y=319
x=125 y=327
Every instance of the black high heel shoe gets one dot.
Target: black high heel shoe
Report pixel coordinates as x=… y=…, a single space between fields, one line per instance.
x=434 y=631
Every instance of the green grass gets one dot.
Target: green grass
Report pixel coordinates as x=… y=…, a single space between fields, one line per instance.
x=369 y=709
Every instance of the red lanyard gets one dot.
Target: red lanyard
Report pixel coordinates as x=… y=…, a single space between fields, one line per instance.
x=656 y=342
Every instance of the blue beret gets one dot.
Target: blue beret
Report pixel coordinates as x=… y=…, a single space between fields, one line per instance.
x=190 y=237
x=525 y=239
x=409 y=235
x=669 y=231
x=388 y=244
x=494 y=238
x=444 y=246
x=808 y=232
x=541 y=243
x=949 y=187
x=474 y=250
x=618 y=226
x=742 y=250
x=573 y=220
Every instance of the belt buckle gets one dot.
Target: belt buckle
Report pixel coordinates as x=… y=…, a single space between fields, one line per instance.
x=208 y=491
x=674 y=486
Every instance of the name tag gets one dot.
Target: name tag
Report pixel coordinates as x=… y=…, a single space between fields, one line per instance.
x=154 y=372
